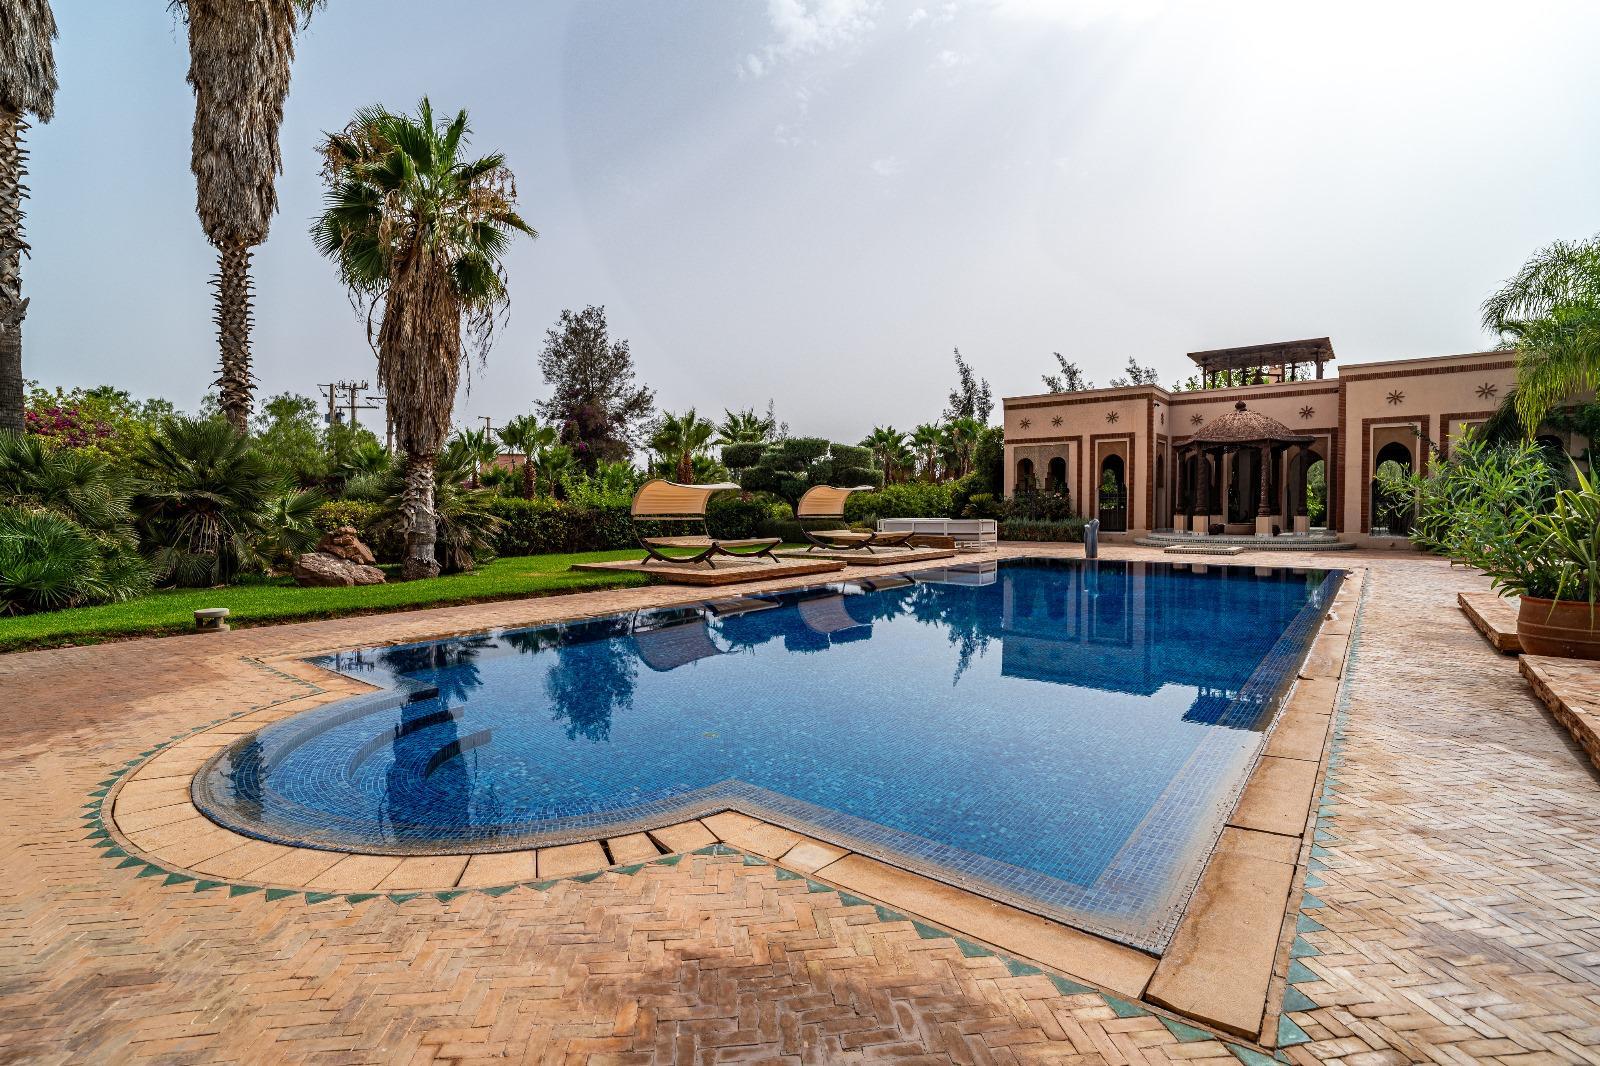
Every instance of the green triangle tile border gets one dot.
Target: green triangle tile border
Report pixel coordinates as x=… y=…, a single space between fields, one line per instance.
x=1310 y=903
x=402 y=897
x=1302 y=949
x=358 y=897
x=1067 y=986
x=971 y=950
x=542 y=886
x=176 y=879
x=235 y=891
x=275 y=894
x=448 y=895
x=851 y=901
x=788 y=875
x=130 y=861
x=116 y=853
x=667 y=860
x=1296 y=1000
x=1122 y=1008
x=1289 y=1033
x=1316 y=862
x=1185 y=1034
x=318 y=897
x=151 y=870
x=630 y=869
x=752 y=860
x=106 y=843
x=927 y=932
x=1249 y=1056
x=887 y=915
x=1307 y=924
x=816 y=886
x=585 y=878
x=1299 y=972
x=206 y=886
x=1319 y=852
x=1313 y=881
x=497 y=891
x=1017 y=968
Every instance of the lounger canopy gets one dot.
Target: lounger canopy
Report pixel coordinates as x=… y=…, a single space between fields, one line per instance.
x=661 y=498
x=826 y=501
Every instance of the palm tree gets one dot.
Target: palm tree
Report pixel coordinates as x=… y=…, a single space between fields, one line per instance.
x=526 y=436
x=961 y=438
x=927 y=439
x=679 y=438
x=746 y=427
x=417 y=233
x=240 y=52
x=27 y=87
x=1550 y=313
x=471 y=450
x=884 y=442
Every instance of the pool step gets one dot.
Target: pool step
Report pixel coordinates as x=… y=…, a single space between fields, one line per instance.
x=1203 y=549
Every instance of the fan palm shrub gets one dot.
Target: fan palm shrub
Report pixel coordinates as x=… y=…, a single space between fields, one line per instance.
x=27 y=87
x=201 y=502
x=1550 y=313
x=240 y=55
x=417 y=232
x=289 y=526
x=679 y=440
x=465 y=522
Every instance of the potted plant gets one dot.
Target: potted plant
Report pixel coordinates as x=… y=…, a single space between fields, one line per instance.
x=1551 y=559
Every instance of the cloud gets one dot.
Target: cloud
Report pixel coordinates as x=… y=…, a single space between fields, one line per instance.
x=916 y=16
x=888 y=166
x=809 y=27
x=950 y=60
x=1080 y=13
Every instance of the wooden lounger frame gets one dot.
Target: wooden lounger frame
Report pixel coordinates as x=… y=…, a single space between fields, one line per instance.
x=826 y=503
x=660 y=500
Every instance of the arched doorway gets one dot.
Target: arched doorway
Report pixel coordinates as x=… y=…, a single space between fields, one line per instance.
x=1388 y=512
x=1113 y=511
x=1055 y=475
x=1313 y=489
x=1027 y=480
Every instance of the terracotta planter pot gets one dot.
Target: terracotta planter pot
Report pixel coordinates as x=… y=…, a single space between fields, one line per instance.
x=1567 y=629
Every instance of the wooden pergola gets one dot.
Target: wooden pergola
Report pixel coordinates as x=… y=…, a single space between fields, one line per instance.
x=1215 y=443
x=1271 y=363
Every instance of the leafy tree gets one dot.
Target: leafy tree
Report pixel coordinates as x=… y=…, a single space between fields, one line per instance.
x=971 y=397
x=27 y=87
x=418 y=231
x=203 y=491
x=240 y=54
x=600 y=411
x=528 y=437
x=289 y=436
x=679 y=440
x=1134 y=374
x=788 y=467
x=1550 y=313
x=1070 y=379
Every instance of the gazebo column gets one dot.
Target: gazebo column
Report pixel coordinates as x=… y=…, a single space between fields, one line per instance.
x=1200 y=520
x=1264 y=499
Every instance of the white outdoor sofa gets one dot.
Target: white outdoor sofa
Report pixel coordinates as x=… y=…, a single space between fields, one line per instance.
x=972 y=534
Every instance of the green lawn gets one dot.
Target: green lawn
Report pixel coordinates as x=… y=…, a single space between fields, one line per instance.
x=172 y=611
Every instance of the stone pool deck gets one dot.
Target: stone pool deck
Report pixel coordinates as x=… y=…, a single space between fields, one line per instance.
x=1452 y=917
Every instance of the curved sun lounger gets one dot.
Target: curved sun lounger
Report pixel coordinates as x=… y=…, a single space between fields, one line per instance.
x=825 y=503
x=661 y=501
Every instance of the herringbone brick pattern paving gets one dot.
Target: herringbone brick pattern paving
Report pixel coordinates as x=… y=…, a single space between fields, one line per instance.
x=1458 y=900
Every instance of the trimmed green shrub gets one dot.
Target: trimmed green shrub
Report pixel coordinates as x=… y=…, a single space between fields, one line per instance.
x=798 y=452
x=545 y=526
x=851 y=455
x=1070 y=530
x=910 y=499
x=735 y=517
x=742 y=456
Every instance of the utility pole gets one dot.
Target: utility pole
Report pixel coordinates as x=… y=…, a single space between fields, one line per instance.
x=488 y=427
x=352 y=404
x=333 y=401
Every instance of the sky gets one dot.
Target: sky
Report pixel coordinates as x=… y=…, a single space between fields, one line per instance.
x=814 y=201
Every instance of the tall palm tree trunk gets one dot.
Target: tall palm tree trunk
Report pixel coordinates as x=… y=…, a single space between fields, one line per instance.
x=234 y=319
x=422 y=526
x=530 y=478
x=13 y=308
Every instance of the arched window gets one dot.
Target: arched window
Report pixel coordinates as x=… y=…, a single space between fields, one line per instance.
x=1389 y=512
x=1055 y=477
x=1027 y=481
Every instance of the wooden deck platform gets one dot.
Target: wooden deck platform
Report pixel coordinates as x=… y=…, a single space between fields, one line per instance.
x=881 y=557
x=725 y=572
x=1496 y=618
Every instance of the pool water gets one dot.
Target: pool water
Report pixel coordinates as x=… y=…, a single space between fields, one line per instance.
x=1068 y=736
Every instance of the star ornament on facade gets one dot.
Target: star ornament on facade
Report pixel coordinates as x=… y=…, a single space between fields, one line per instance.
x=1307 y=411
x=1112 y=416
x=1486 y=391
x=1396 y=397
x=1056 y=421
x=1026 y=422
x=1195 y=420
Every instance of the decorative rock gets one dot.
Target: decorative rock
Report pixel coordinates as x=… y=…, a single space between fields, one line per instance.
x=323 y=570
x=345 y=543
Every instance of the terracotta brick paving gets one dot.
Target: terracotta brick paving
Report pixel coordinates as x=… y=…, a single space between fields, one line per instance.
x=1458 y=901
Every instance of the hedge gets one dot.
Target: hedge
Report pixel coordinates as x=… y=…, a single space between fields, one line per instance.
x=911 y=499
x=1070 y=529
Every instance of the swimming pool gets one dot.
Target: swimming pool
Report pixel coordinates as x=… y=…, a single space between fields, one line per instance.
x=1068 y=736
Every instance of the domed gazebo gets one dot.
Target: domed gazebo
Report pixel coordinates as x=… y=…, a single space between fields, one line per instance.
x=1214 y=445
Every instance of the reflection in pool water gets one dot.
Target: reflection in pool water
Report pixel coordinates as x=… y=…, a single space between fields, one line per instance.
x=1066 y=735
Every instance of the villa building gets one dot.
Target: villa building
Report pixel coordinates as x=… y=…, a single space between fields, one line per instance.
x=1238 y=459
